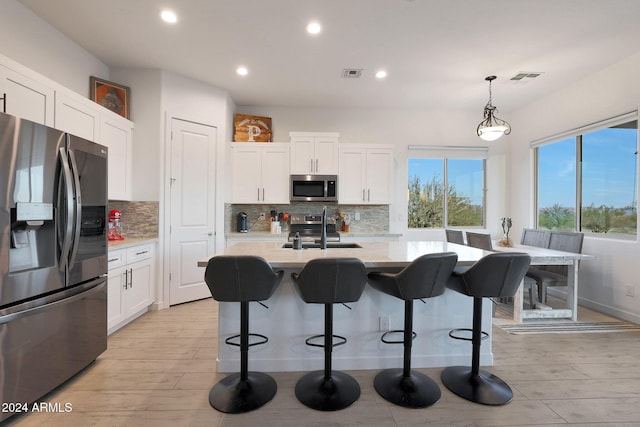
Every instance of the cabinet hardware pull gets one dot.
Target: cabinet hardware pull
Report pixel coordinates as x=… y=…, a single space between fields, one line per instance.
x=368 y=195
x=4 y=102
x=263 y=194
x=316 y=165
x=311 y=165
x=363 y=199
x=258 y=193
x=131 y=278
x=113 y=259
x=143 y=252
x=126 y=279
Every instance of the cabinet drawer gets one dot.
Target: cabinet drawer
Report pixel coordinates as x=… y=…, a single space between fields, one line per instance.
x=138 y=253
x=116 y=259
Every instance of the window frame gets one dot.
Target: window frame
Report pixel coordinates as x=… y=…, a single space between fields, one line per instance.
x=578 y=134
x=445 y=154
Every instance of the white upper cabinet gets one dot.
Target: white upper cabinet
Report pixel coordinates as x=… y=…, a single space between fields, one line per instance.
x=260 y=173
x=314 y=153
x=366 y=174
x=27 y=97
x=78 y=116
x=116 y=134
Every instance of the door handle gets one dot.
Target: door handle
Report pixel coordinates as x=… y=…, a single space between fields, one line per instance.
x=4 y=102
x=363 y=199
x=126 y=279
x=316 y=165
x=368 y=195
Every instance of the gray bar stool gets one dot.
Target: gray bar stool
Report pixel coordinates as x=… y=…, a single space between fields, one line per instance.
x=495 y=275
x=329 y=281
x=425 y=277
x=242 y=279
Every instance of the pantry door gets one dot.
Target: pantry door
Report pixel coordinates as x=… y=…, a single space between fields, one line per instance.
x=192 y=230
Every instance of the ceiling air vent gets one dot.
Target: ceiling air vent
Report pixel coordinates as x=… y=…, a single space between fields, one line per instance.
x=526 y=75
x=351 y=73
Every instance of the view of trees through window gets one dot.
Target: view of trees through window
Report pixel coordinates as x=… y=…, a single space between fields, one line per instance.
x=600 y=196
x=457 y=184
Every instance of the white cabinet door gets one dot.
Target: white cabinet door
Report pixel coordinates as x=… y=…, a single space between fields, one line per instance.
x=117 y=280
x=314 y=153
x=129 y=284
x=78 y=116
x=260 y=173
x=139 y=290
x=116 y=135
x=246 y=174
x=302 y=155
x=352 y=175
x=326 y=149
x=275 y=174
x=366 y=174
x=379 y=176
x=26 y=97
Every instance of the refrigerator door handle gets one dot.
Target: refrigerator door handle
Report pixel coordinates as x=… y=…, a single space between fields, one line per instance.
x=68 y=230
x=77 y=210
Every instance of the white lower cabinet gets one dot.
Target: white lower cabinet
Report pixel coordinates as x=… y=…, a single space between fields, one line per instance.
x=130 y=279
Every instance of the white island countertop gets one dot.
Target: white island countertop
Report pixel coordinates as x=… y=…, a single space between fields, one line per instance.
x=394 y=254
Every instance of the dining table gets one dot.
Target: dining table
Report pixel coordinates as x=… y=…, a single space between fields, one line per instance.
x=544 y=256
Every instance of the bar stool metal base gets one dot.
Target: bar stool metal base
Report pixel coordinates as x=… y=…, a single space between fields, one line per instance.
x=231 y=395
x=484 y=387
x=337 y=392
x=415 y=391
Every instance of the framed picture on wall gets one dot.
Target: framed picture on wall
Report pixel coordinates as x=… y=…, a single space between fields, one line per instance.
x=112 y=96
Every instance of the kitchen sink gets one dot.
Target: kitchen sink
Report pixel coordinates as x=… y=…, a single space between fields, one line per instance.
x=330 y=245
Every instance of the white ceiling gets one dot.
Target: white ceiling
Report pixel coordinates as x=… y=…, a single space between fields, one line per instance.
x=436 y=52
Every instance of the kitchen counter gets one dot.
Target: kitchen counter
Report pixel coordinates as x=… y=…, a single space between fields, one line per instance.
x=129 y=242
x=235 y=236
x=289 y=321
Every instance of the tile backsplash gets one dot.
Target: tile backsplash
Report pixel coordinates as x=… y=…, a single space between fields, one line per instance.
x=373 y=218
x=139 y=219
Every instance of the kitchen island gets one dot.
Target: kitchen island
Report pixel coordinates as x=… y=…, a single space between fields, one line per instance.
x=288 y=321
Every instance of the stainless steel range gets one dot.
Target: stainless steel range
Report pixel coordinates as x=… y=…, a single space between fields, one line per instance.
x=310 y=228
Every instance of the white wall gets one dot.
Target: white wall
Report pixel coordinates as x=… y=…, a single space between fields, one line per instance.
x=401 y=128
x=608 y=93
x=27 y=39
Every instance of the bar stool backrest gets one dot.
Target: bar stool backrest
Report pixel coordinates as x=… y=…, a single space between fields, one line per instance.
x=533 y=237
x=454 y=236
x=426 y=276
x=332 y=280
x=241 y=278
x=479 y=240
x=496 y=275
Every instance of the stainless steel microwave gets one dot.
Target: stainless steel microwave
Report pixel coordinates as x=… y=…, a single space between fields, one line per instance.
x=314 y=188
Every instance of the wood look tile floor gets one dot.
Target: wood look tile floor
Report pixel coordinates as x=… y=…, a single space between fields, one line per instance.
x=158 y=371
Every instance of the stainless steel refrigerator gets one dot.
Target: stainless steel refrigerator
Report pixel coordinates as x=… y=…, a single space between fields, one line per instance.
x=53 y=258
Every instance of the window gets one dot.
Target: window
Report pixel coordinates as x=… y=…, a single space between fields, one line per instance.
x=588 y=181
x=461 y=205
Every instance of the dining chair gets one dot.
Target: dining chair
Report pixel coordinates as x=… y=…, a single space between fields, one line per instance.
x=540 y=239
x=556 y=275
x=534 y=237
x=479 y=240
x=454 y=236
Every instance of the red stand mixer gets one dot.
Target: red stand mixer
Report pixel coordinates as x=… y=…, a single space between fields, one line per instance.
x=115 y=226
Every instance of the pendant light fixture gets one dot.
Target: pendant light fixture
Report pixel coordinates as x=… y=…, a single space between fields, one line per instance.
x=492 y=128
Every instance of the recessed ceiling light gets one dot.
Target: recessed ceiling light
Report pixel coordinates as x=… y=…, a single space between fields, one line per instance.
x=314 y=28
x=381 y=74
x=169 y=16
x=242 y=71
